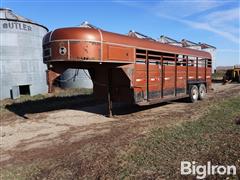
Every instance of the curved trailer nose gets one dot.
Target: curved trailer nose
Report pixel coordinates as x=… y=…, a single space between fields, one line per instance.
x=72 y=44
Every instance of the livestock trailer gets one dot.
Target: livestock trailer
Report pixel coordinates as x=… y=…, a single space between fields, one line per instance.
x=129 y=69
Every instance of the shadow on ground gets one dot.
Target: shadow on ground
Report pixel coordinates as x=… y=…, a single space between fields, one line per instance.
x=217 y=81
x=85 y=103
x=50 y=104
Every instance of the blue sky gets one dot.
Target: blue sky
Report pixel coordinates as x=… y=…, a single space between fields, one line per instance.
x=215 y=22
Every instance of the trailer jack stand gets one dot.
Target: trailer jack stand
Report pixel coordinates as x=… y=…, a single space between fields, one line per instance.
x=109 y=106
x=109 y=97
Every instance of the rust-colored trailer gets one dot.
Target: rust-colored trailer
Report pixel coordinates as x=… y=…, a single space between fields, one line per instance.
x=124 y=68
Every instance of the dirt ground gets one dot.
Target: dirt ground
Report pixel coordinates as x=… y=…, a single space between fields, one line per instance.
x=53 y=133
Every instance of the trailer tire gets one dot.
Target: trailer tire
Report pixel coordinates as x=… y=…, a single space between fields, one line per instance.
x=202 y=91
x=193 y=94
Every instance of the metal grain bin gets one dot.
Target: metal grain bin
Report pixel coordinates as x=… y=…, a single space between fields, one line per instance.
x=21 y=66
x=76 y=78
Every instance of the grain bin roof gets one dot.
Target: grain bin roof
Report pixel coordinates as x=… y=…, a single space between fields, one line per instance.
x=8 y=14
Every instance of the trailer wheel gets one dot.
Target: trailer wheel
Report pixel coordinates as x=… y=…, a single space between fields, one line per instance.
x=202 y=91
x=194 y=93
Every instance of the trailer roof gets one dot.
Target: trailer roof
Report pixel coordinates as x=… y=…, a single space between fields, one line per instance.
x=91 y=34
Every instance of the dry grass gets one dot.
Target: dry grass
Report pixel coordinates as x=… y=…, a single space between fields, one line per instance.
x=218 y=75
x=58 y=93
x=42 y=103
x=214 y=137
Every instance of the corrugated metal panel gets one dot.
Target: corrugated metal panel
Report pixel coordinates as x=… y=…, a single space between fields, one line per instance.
x=21 y=60
x=76 y=78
